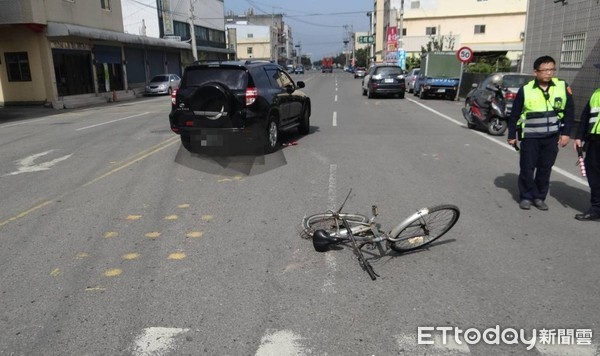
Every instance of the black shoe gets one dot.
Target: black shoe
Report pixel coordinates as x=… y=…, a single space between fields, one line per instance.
x=525 y=204
x=587 y=216
x=539 y=203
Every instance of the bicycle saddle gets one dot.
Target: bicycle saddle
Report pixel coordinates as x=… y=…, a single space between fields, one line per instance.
x=322 y=240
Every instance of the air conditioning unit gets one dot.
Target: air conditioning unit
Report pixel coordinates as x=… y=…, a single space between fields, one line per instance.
x=172 y=38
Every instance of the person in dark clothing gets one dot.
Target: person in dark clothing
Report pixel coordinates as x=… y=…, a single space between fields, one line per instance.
x=588 y=137
x=542 y=115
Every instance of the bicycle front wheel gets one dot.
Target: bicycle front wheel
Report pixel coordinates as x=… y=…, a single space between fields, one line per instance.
x=425 y=229
x=332 y=223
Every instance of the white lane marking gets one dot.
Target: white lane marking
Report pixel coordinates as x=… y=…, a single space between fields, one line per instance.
x=331 y=189
x=335 y=98
x=566 y=350
x=503 y=144
x=335 y=118
x=24 y=122
x=281 y=343
x=408 y=344
x=329 y=283
x=26 y=165
x=110 y=122
x=156 y=341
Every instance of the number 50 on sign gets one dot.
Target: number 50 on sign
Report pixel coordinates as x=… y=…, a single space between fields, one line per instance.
x=464 y=54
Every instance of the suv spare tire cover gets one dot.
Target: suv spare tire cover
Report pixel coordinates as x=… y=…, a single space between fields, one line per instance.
x=212 y=104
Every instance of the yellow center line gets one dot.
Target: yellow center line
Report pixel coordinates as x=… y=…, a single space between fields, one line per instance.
x=136 y=158
x=25 y=213
x=154 y=150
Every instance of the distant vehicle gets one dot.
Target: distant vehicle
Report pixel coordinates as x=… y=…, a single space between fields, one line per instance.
x=163 y=84
x=327 y=65
x=439 y=75
x=384 y=79
x=411 y=79
x=289 y=68
x=299 y=69
x=359 y=72
x=234 y=104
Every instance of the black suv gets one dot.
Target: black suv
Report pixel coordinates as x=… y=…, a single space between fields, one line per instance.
x=233 y=104
x=386 y=79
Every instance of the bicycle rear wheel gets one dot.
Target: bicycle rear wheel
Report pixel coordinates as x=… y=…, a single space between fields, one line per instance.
x=425 y=229
x=332 y=223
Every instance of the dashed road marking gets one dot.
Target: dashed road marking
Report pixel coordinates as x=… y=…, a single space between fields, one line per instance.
x=281 y=343
x=111 y=121
x=194 y=234
x=153 y=235
x=113 y=272
x=334 y=118
x=156 y=341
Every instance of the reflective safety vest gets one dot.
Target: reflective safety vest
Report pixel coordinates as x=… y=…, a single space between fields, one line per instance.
x=542 y=112
x=594 y=127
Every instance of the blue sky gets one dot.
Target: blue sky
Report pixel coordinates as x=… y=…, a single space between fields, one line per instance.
x=317 y=25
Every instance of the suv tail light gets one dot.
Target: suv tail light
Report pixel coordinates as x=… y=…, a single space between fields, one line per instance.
x=251 y=94
x=510 y=95
x=173 y=96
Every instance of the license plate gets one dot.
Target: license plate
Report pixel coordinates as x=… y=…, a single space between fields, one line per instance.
x=388 y=80
x=441 y=90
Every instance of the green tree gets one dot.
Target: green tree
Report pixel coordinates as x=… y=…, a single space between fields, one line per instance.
x=361 y=56
x=439 y=43
x=413 y=61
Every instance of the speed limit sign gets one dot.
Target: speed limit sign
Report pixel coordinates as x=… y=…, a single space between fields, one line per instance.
x=464 y=54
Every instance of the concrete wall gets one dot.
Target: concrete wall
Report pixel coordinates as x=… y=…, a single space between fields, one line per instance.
x=86 y=13
x=548 y=23
x=21 y=39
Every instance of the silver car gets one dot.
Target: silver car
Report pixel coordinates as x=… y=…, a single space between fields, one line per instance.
x=163 y=84
x=411 y=78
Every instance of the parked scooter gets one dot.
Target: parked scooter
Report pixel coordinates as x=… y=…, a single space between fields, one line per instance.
x=487 y=113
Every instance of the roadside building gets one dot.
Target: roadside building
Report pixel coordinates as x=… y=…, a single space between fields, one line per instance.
x=489 y=27
x=569 y=31
x=71 y=53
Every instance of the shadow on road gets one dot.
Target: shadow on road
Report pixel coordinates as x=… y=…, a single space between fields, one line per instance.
x=233 y=165
x=568 y=196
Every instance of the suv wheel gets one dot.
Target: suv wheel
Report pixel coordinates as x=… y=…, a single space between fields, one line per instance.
x=304 y=127
x=186 y=142
x=272 y=137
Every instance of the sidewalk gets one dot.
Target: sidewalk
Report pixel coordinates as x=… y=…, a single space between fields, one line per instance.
x=23 y=112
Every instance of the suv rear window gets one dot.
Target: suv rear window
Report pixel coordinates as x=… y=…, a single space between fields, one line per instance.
x=515 y=81
x=389 y=70
x=235 y=79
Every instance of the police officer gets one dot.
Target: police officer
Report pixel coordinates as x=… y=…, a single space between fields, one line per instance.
x=589 y=132
x=542 y=115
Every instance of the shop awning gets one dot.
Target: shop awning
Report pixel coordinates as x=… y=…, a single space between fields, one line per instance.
x=56 y=29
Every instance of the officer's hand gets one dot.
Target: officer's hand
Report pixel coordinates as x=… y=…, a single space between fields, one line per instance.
x=564 y=140
x=512 y=142
x=576 y=144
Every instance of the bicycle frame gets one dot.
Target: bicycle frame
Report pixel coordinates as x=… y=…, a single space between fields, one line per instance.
x=378 y=236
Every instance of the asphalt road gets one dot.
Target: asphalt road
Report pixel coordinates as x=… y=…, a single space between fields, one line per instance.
x=114 y=240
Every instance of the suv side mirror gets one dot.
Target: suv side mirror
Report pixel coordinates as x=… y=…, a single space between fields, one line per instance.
x=300 y=84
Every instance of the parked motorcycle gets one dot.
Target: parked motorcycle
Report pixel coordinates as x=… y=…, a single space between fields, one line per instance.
x=488 y=111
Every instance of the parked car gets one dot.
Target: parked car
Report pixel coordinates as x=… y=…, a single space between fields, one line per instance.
x=384 y=79
x=299 y=70
x=359 y=72
x=234 y=104
x=509 y=82
x=163 y=84
x=411 y=78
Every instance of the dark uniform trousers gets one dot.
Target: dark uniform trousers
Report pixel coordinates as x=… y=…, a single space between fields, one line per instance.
x=540 y=153
x=592 y=168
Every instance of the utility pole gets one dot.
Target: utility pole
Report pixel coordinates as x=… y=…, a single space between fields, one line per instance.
x=192 y=31
x=399 y=33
